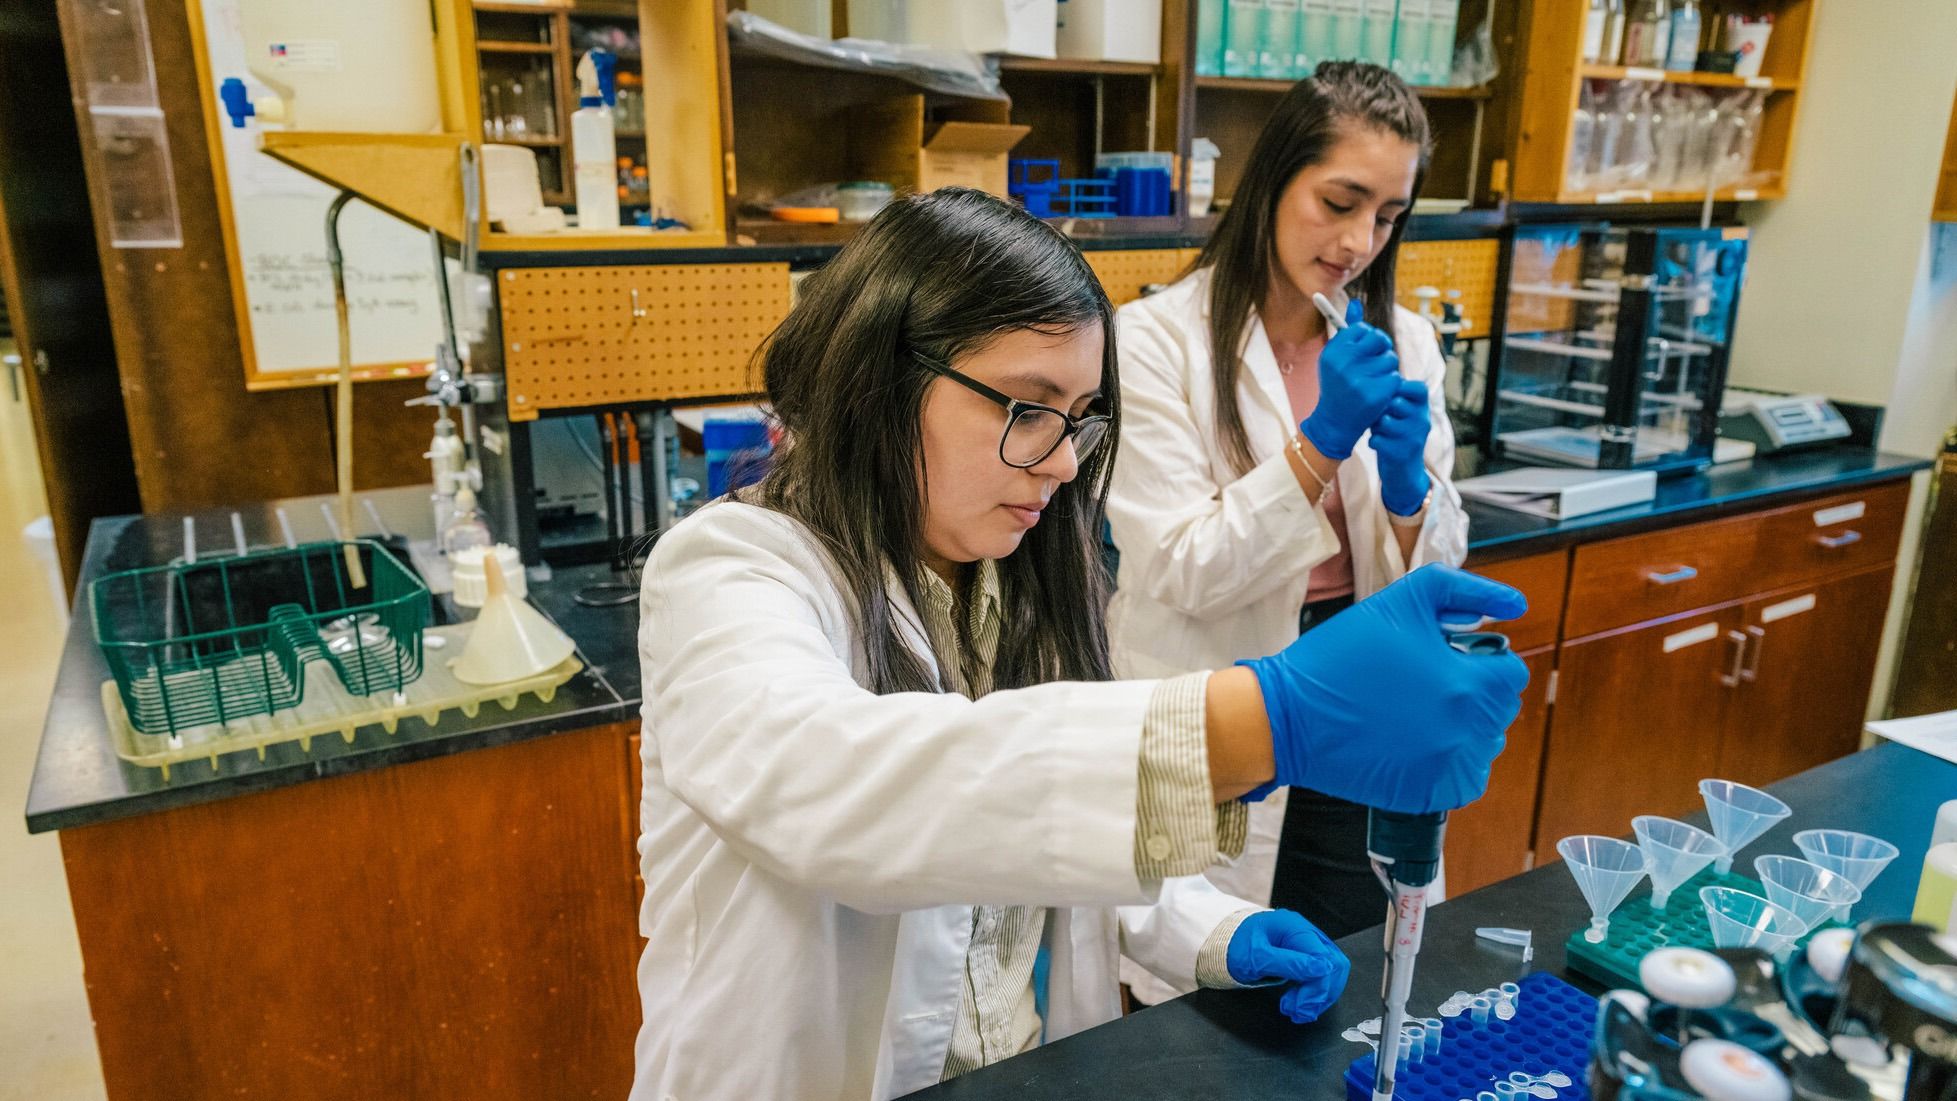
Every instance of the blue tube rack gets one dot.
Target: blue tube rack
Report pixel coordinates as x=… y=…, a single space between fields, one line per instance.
x=1551 y=1030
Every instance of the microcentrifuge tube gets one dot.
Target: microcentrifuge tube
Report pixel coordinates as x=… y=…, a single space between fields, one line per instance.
x=1487 y=1095
x=1507 y=1091
x=1479 y=1009
x=1416 y=1045
x=1511 y=995
x=1434 y=1032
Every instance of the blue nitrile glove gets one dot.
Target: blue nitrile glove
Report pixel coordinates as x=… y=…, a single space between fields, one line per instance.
x=1281 y=944
x=1358 y=374
x=1375 y=707
x=1400 y=438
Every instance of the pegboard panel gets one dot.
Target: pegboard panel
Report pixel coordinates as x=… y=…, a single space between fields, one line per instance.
x=1549 y=262
x=1466 y=266
x=1124 y=272
x=576 y=337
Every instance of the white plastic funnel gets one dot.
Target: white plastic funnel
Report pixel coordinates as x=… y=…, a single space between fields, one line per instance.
x=1605 y=869
x=1739 y=815
x=1741 y=920
x=1811 y=892
x=511 y=640
x=1856 y=857
x=1674 y=852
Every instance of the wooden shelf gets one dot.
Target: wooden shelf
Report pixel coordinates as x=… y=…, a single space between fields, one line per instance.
x=1066 y=66
x=630 y=135
x=1669 y=76
x=491 y=47
x=1637 y=196
x=533 y=143
x=1258 y=84
x=519 y=9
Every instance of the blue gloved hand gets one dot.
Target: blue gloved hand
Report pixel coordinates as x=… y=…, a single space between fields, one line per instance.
x=1281 y=944
x=1400 y=438
x=1376 y=708
x=1358 y=374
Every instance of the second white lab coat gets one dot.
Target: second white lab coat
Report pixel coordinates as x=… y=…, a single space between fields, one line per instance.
x=812 y=851
x=1214 y=565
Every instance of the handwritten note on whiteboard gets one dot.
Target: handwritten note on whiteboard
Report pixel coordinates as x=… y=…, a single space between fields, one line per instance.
x=278 y=222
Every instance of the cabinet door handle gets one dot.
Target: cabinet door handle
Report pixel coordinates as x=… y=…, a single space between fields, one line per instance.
x=1738 y=639
x=1836 y=542
x=1752 y=670
x=1672 y=576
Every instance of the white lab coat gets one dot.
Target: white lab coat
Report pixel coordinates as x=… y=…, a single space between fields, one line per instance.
x=811 y=851
x=1215 y=566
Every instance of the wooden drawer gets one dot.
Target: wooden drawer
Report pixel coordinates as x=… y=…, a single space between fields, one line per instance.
x=1834 y=535
x=1619 y=582
x=1542 y=578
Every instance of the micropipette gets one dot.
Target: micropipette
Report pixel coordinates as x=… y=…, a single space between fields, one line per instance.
x=1405 y=850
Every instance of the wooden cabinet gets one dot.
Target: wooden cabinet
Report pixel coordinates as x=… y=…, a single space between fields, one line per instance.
x=1804 y=686
x=1488 y=840
x=458 y=926
x=1637 y=722
x=1553 y=84
x=1741 y=648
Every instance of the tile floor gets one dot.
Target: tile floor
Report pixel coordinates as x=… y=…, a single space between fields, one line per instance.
x=47 y=1045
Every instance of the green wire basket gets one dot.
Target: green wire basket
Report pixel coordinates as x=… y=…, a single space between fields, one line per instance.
x=224 y=638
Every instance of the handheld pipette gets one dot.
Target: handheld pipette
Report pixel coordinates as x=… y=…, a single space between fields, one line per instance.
x=1405 y=850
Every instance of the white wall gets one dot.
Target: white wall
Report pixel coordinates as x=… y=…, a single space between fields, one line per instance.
x=1843 y=295
x=1832 y=277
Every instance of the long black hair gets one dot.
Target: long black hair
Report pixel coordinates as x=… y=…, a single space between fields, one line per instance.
x=1338 y=97
x=943 y=275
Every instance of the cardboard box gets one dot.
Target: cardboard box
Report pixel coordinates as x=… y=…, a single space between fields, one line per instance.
x=1111 y=30
x=1025 y=28
x=963 y=145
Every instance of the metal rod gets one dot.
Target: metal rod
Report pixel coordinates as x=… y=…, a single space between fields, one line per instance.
x=285 y=528
x=343 y=387
x=238 y=533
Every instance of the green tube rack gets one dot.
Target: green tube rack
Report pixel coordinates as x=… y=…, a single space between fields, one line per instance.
x=1636 y=929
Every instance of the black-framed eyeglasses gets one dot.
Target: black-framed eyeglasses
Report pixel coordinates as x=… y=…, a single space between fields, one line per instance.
x=1033 y=431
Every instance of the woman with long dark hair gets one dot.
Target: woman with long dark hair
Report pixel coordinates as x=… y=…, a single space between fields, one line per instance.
x=1263 y=488
x=886 y=769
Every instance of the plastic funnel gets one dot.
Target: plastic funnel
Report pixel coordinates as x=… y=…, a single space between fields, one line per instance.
x=1742 y=920
x=1856 y=857
x=1605 y=869
x=1674 y=852
x=1808 y=890
x=511 y=640
x=1739 y=814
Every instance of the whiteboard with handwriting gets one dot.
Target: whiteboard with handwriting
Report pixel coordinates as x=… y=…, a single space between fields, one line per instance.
x=278 y=221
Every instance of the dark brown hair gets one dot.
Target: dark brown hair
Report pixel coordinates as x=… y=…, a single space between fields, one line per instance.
x=940 y=275
x=1339 y=97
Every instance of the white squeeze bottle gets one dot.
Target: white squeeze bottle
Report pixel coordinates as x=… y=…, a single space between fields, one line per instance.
x=594 y=152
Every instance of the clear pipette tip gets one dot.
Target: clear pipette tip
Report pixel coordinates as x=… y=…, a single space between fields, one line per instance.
x=1333 y=321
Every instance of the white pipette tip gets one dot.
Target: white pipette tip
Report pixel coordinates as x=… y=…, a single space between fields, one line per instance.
x=1333 y=320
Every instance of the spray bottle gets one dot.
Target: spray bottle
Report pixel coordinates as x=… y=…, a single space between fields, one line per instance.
x=594 y=150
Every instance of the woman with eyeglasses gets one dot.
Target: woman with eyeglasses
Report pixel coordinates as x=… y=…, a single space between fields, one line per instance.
x=1261 y=492
x=888 y=777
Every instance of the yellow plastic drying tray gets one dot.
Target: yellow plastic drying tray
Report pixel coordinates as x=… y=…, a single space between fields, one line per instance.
x=328 y=708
